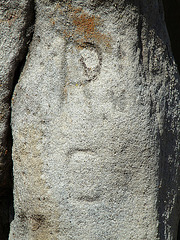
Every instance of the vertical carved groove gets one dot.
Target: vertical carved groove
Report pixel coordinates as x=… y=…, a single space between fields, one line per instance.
x=139 y=29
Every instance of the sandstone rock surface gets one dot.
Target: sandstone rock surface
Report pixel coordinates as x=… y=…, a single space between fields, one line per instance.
x=94 y=125
x=15 y=22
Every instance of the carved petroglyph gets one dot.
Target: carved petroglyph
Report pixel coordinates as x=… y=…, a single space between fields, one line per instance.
x=91 y=59
x=85 y=42
x=87 y=58
x=84 y=175
x=86 y=169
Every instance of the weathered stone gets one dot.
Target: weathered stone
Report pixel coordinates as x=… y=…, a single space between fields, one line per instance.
x=15 y=21
x=94 y=120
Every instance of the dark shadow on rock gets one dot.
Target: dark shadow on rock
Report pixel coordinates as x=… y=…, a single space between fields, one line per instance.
x=172 y=18
x=6 y=177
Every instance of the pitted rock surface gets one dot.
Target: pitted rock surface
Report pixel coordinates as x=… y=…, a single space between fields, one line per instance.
x=93 y=117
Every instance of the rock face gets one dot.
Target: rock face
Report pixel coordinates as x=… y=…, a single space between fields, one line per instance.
x=94 y=125
x=15 y=22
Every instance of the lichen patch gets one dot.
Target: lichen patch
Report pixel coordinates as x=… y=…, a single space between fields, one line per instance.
x=79 y=26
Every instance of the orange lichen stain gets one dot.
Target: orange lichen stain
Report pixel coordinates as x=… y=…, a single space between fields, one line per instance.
x=77 y=10
x=85 y=25
x=66 y=34
x=12 y=100
x=82 y=27
x=86 y=28
x=53 y=21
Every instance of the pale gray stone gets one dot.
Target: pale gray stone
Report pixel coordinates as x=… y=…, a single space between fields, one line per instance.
x=94 y=124
x=15 y=31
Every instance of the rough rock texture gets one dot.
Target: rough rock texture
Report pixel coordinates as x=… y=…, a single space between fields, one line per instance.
x=94 y=124
x=15 y=21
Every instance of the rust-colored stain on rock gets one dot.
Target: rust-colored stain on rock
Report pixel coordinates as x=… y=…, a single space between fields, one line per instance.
x=86 y=28
x=83 y=27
